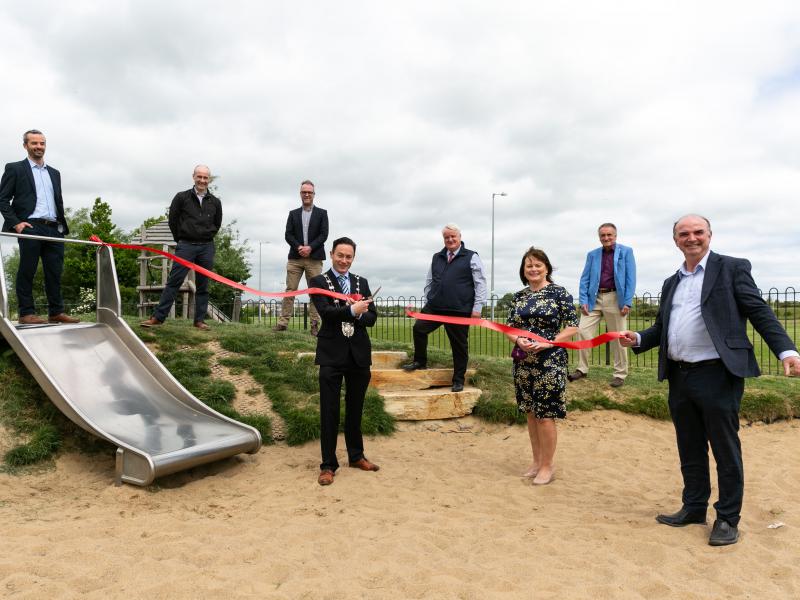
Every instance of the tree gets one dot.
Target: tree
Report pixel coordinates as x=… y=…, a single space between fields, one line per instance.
x=80 y=262
x=230 y=261
x=504 y=303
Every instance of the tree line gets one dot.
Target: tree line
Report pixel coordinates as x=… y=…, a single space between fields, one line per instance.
x=79 y=279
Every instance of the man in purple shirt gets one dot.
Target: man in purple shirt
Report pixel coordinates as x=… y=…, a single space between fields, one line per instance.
x=607 y=286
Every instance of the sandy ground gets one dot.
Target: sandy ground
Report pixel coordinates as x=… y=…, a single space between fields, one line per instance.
x=447 y=516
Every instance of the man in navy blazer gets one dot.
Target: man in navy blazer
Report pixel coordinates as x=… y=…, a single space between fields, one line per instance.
x=606 y=291
x=705 y=354
x=306 y=232
x=31 y=203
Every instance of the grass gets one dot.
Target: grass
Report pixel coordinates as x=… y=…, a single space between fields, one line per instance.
x=27 y=412
x=291 y=385
x=767 y=398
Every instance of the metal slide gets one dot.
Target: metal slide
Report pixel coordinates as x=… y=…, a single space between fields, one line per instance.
x=105 y=380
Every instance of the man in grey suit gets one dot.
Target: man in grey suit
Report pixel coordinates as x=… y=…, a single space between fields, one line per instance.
x=31 y=203
x=704 y=353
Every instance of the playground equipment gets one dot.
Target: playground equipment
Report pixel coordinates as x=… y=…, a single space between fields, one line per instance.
x=107 y=381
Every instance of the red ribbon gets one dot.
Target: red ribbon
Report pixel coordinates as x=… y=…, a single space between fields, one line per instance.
x=485 y=323
x=225 y=280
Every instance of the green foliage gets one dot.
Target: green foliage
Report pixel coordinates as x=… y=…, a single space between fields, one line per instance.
x=44 y=442
x=79 y=259
x=495 y=410
x=230 y=261
x=293 y=383
x=503 y=304
x=375 y=420
x=767 y=407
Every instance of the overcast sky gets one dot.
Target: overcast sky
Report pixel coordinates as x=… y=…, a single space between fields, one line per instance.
x=411 y=114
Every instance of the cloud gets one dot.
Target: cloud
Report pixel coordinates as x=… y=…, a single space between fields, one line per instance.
x=412 y=115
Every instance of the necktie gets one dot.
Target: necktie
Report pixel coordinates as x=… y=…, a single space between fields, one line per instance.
x=450 y=256
x=344 y=283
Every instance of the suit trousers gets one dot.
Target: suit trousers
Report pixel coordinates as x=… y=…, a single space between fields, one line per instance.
x=704 y=402
x=52 y=255
x=295 y=267
x=605 y=307
x=201 y=254
x=356 y=380
x=459 y=342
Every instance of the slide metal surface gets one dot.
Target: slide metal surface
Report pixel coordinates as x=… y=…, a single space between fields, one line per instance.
x=107 y=381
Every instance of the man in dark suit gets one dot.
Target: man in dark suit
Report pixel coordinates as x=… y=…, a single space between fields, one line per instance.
x=343 y=352
x=31 y=203
x=306 y=232
x=704 y=353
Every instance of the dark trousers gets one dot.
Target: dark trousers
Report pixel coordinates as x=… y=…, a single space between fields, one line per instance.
x=457 y=334
x=704 y=403
x=356 y=380
x=52 y=255
x=201 y=254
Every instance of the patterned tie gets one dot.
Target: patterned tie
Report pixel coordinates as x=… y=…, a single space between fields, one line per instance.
x=450 y=257
x=344 y=283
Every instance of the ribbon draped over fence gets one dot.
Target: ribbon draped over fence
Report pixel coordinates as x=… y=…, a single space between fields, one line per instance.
x=486 y=324
x=225 y=280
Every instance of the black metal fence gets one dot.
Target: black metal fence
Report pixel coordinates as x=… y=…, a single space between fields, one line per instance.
x=394 y=325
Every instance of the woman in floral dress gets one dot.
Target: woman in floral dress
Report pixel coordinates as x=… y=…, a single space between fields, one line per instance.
x=540 y=371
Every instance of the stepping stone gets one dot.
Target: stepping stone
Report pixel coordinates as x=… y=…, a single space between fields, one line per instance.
x=395 y=379
x=433 y=403
x=388 y=359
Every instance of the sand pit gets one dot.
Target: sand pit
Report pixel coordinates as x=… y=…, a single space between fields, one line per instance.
x=447 y=516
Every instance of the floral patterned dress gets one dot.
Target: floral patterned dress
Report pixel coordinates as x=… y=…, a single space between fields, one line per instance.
x=540 y=379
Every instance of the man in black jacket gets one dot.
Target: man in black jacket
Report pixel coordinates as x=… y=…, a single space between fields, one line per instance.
x=306 y=232
x=343 y=352
x=31 y=203
x=195 y=217
x=705 y=354
x=455 y=287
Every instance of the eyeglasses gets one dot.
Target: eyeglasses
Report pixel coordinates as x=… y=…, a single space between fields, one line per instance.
x=306 y=193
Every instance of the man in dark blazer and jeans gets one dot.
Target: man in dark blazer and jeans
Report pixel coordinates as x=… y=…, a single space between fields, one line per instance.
x=306 y=232
x=704 y=353
x=31 y=203
x=343 y=352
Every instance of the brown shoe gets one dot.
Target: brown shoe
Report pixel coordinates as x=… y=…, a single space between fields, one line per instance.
x=364 y=465
x=574 y=376
x=201 y=325
x=616 y=382
x=32 y=320
x=151 y=322
x=325 y=477
x=279 y=327
x=62 y=318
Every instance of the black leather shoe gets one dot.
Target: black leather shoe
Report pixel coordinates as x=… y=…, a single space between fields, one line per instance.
x=414 y=366
x=681 y=518
x=723 y=534
x=574 y=376
x=457 y=387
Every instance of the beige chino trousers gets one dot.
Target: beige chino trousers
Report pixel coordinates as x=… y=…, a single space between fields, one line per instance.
x=605 y=307
x=295 y=267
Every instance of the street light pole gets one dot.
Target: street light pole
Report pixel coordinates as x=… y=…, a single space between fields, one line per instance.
x=491 y=286
x=259 y=278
